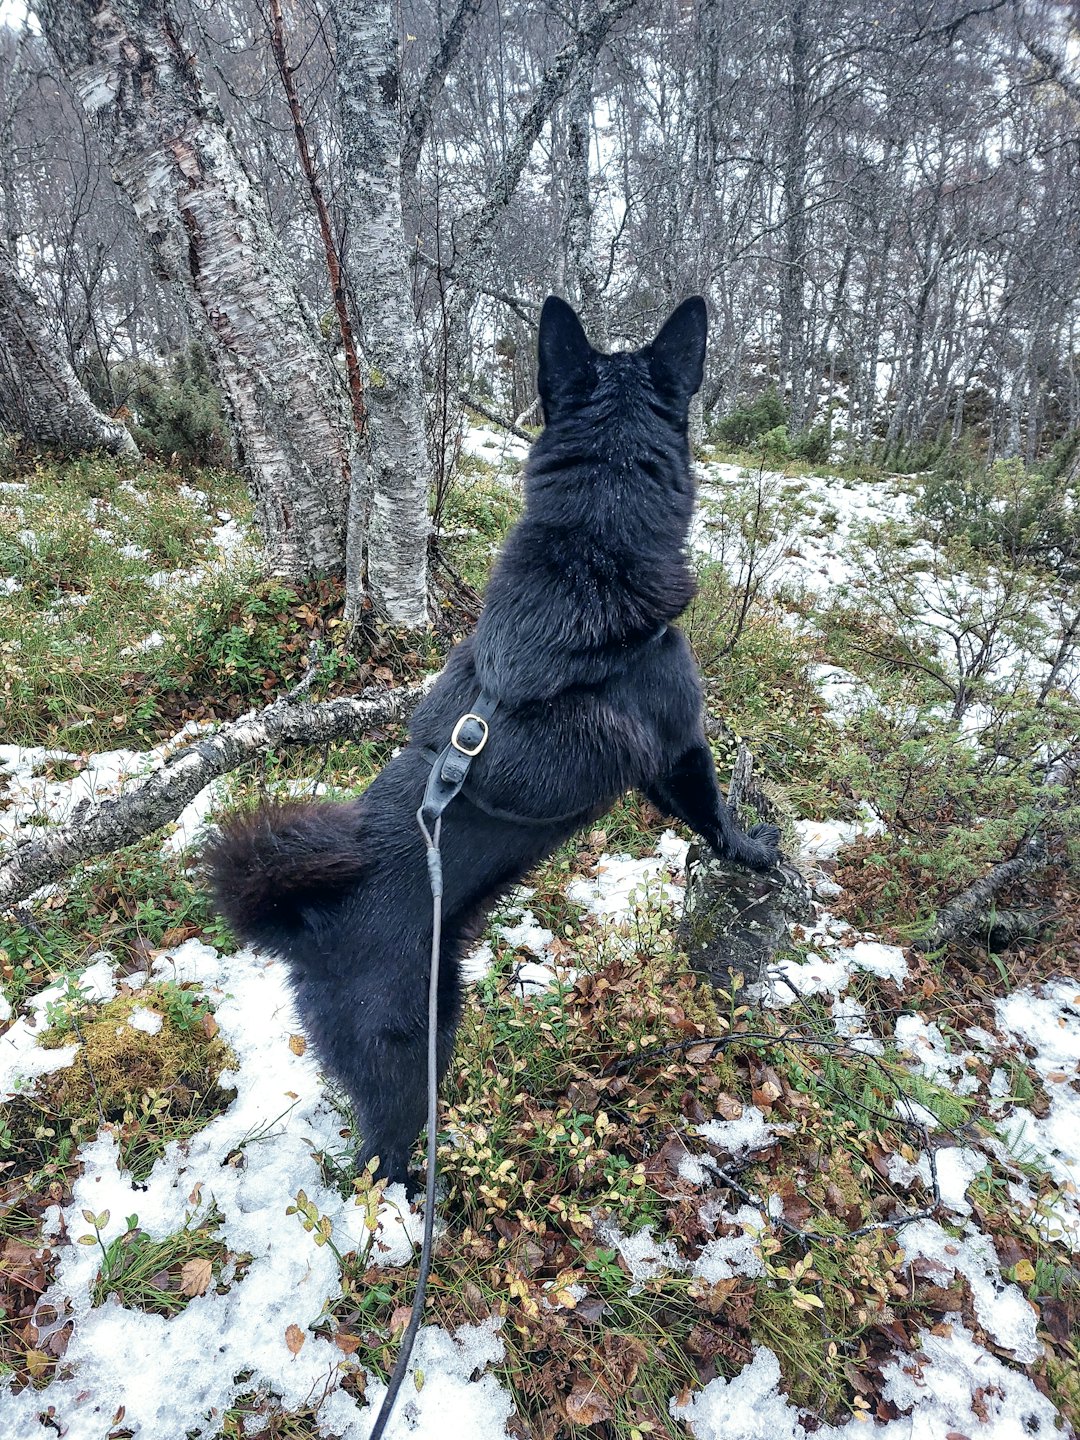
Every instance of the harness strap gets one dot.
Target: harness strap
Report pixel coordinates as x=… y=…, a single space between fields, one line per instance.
x=451 y=765
x=468 y=792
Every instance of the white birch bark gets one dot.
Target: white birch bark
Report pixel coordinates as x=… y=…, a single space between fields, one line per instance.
x=210 y=235
x=376 y=264
x=119 y=820
x=40 y=394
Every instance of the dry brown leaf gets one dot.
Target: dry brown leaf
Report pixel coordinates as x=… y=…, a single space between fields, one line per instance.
x=177 y=935
x=209 y=1025
x=700 y=1054
x=727 y=1107
x=195 y=1277
x=297 y=1044
x=585 y=1405
x=294 y=1339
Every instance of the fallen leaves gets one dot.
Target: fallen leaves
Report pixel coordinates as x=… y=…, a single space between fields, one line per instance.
x=586 y=1405
x=195 y=1277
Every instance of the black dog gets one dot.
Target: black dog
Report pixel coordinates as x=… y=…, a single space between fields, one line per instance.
x=598 y=695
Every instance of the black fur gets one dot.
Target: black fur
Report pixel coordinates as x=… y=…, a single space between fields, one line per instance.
x=592 y=705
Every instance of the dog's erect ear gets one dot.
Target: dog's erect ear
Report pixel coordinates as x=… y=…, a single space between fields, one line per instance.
x=677 y=355
x=567 y=368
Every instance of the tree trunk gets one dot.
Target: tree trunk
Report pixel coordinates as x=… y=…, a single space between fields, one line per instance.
x=376 y=264
x=210 y=235
x=582 y=281
x=40 y=394
x=793 y=210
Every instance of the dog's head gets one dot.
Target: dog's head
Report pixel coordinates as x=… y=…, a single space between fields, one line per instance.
x=669 y=370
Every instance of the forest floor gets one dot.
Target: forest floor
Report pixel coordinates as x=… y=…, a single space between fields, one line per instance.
x=841 y=1204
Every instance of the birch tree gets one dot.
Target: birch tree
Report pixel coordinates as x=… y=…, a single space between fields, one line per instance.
x=391 y=518
x=211 y=237
x=40 y=394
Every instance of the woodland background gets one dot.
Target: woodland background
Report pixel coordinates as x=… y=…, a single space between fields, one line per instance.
x=340 y=219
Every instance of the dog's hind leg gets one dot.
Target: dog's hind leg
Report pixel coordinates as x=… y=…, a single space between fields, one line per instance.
x=387 y=1083
x=374 y=1045
x=690 y=791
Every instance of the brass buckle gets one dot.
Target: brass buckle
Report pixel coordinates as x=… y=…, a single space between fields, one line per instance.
x=457 y=729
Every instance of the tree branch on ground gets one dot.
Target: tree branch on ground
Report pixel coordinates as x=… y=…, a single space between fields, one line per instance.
x=157 y=800
x=503 y=424
x=972 y=911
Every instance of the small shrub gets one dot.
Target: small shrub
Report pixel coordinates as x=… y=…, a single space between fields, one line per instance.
x=160 y=1277
x=748 y=423
x=175 y=406
x=815 y=446
x=1006 y=509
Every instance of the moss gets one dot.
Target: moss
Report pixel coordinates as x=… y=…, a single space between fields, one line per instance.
x=152 y=1088
x=798 y=1339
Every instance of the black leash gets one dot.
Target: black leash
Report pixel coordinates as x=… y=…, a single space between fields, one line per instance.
x=445 y=781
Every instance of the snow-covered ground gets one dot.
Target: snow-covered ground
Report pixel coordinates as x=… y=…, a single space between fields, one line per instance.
x=165 y=1372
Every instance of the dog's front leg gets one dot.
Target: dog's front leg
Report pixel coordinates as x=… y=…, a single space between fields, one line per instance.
x=690 y=791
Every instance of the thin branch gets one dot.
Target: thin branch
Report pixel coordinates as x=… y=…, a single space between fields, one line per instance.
x=276 y=25
x=526 y=310
x=584 y=46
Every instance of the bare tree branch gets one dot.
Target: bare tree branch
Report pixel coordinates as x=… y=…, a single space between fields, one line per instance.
x=1052 y=65
x=416 y=126
x=582 y=48
x=503 y=424
x=275 y=23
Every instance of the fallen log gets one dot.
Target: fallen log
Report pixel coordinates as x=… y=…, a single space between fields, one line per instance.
x=970 y=913
x=146 y=806
x=966 y=913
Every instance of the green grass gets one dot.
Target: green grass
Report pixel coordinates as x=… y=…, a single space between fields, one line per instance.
x=65 y=678
x=163 y=1276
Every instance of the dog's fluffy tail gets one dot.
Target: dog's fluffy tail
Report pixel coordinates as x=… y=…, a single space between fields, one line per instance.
x=267 y=868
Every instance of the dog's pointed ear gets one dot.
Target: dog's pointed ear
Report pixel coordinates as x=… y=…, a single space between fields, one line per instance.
x=567 y=368
x=677 y=355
